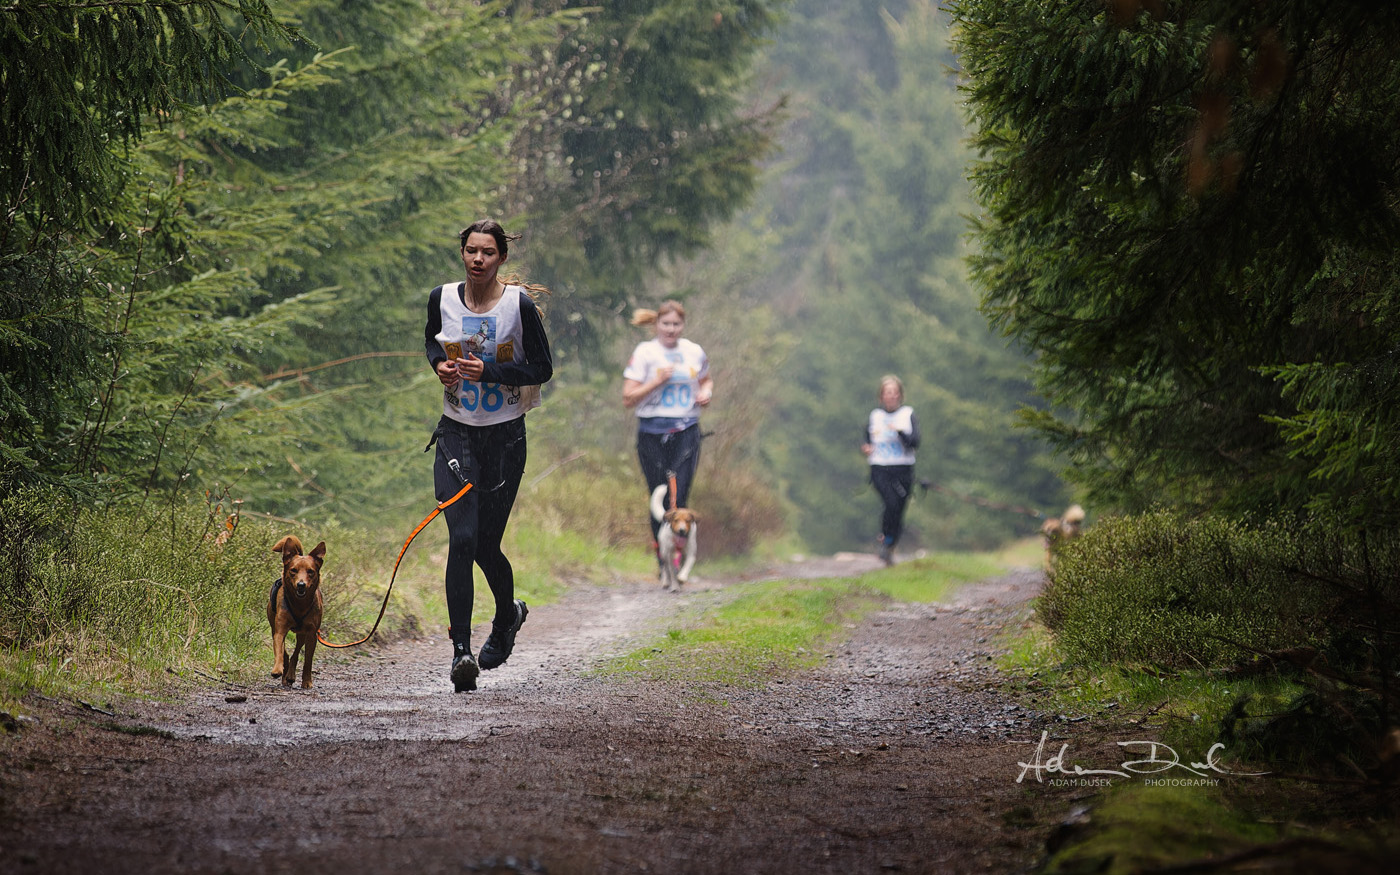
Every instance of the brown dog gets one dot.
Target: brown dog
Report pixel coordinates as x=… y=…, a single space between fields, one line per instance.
x=294 y=605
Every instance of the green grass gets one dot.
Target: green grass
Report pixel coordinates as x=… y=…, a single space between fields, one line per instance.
x=100 y=605
x=1135 y=826
x=546 y=561
x=931 y=578
x=1141 y=612
x=106 y=606
x=743 y=636
x=1025 y=553
x=1186 y=708
x=1184 y=592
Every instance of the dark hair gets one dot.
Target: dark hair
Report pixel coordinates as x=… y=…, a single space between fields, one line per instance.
x=492 y=227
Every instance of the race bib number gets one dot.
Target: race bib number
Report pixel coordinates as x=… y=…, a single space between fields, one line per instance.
x=677 y=395
x=489 y=397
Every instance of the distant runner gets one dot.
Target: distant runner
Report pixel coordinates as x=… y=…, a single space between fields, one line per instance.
x=667 y=380
x=891 y=436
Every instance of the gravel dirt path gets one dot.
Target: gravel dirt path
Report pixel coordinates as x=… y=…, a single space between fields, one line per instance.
x=898 y=753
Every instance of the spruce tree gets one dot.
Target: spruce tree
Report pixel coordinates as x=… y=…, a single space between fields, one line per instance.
x=1189 y=214
x=82 y=84
x=82 y=79
x=445 y=113
x=643 y=146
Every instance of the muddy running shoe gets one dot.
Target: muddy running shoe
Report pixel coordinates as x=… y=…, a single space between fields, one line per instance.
x=886 y=553
x=501 y=641
x=464 y=668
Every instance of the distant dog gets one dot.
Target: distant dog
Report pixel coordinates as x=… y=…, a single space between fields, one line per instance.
x=677 y=534
x=294 y=605
x=1057 y=530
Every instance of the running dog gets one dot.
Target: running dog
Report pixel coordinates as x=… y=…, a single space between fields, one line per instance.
x=677 y=535
x=294 y=605
x=1057 y=530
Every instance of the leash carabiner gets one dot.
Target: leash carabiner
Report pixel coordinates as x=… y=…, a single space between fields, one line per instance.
x=421 y=526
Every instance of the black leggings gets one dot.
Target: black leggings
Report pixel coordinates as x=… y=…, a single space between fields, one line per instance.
x=893 y=482
x=663 y=454
x=492 y=459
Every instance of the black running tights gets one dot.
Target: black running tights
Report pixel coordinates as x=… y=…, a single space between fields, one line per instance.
x=492 y=458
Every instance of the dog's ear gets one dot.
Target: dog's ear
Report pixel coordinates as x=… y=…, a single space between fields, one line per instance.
x=319 y=553
x=289 y=547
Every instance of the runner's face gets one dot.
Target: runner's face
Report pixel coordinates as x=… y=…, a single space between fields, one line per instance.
x=669 y=327
x=889 y=397
x=481 y=257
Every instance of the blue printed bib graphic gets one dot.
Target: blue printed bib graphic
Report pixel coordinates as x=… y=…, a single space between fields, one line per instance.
x=479 y=339
x=679 y=391
x=884 y=430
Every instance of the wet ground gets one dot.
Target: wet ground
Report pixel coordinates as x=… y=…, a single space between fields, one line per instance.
x=899 y=752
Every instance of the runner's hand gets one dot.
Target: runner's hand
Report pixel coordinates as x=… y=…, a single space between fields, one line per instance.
x=447 y=373
x=471 y=368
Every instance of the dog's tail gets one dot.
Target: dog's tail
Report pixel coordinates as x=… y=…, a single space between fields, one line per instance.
x=658 y=502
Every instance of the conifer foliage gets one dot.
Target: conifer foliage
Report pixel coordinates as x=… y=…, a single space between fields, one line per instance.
x=220 y=229
x=643 y=145
x=100 y=263
x=1190 y=215
x=81 y=77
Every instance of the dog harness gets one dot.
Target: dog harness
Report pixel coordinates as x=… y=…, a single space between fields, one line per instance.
x=277 y=584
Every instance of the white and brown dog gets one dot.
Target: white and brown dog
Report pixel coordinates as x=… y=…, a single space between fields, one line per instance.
x=676 y=538
x=1058 y=530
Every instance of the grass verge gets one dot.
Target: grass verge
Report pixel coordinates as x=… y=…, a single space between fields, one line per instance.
x=744 y=635
x=1217 y=824
x=1136 y=828
x=771 y=627
x=132 y=601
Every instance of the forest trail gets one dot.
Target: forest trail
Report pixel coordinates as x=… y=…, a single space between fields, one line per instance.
x=897 y=753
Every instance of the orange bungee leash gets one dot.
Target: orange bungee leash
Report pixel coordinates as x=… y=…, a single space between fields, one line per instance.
x=421 y=526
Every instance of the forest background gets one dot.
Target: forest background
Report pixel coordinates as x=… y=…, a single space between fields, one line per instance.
x=1161 y=234
x=217 y=286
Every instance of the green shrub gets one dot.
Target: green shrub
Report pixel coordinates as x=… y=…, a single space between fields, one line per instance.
x=1182 y=592
x=117 y=595
x=110 y=594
